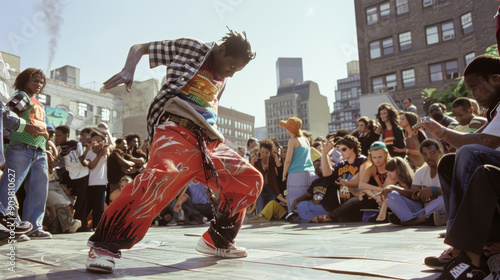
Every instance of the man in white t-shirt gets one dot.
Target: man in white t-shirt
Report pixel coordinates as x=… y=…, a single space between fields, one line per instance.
x=423 y=201
x=469 y=179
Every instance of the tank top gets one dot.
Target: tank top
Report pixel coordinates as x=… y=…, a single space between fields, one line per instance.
x=301 y=160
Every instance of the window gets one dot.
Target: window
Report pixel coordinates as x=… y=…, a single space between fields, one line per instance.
x=388 y=46
x=384 y=83
x=466 y=21
x=372 y=15
x=427 y=3
x=105 y=114
x=444 y=70
x=469 y=57
x=375 y=49
x=405 y=41
x=445 y=29
x=385 y=10
x=402 y=7
x=408 y=78
x=83 y=108
x=448 y=30
x=44 y=99
x=432 y=35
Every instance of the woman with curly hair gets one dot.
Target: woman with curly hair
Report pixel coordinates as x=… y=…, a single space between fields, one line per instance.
x=392 y=134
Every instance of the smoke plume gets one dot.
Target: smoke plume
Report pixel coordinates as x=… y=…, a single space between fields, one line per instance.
x=52 y=10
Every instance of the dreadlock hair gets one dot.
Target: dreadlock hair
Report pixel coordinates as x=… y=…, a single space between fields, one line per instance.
x=484 y=66
x=24 y=77
x=237 y=45
x=392 y=114
x=351 y=142
x=405 y=173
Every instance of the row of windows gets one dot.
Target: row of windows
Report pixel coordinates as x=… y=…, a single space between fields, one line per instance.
x=383 y=10
x=348 y=94
x=435 y=33
x=280 y=113
x=102 y=114
x=345 y=116
x=279 y=104
x=334 y=127
x=237 y=124
x=446 y=70
x=338 y=105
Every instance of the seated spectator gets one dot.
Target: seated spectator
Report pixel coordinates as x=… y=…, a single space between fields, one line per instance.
x=122 y=183
x=120 y=163
x=133 y=143
x=412 y=151
x=195 y=203
x=469 y=181
x=60 y=209
x=346 y=177
x=96 y=160
x=464 y=113
x=265 y=163
x=365 y=133
x=319 y=199
x=422 y=202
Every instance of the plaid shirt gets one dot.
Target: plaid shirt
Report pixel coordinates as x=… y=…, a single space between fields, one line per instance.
x=183 y=57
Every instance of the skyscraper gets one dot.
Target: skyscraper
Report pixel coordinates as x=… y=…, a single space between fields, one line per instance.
x=289 y=71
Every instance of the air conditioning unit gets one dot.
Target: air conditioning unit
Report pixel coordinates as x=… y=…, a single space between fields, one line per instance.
x=448 y=37
x=390 y=89
x=428 y=3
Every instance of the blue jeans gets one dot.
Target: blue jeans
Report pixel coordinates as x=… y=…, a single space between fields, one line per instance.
x=307 y=210
x=455 y=183
x=265 y=196
x=407 y=209
x=25 y=164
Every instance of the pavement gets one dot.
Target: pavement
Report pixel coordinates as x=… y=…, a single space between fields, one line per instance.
x=276 y=250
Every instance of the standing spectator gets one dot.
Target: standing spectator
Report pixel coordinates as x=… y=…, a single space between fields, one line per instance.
x=241 y=151
x=298 y=169
x=96 y=159
x=409 y=107
x=119 y=165
x=85 y=136
x=366 y=133
x=251 y=144
x=392 y=134
x=133 y=143
x=407 y=121
x=70 y=152
x=105 y=129
x=423 y=200
x=26 y=153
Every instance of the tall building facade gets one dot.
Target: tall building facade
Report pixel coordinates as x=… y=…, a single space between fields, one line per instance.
x=406 y=46
x=289 y=71
x=237 y=127
x=346 y=105
x=304 y=101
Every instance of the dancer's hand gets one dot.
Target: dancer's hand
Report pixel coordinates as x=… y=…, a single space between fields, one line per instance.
x=124 y=77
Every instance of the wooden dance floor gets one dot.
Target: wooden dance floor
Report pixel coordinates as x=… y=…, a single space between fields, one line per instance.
x=276 y=250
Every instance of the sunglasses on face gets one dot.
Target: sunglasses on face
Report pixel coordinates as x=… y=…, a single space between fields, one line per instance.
x=343 y=149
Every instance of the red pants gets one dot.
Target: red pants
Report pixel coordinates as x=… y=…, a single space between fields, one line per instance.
x=175 y=161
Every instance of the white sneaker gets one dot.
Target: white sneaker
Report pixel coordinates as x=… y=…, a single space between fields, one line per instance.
x=206 y=246
x=76 y=225
x=439 y=219
x=100 y=261
x=494 y=265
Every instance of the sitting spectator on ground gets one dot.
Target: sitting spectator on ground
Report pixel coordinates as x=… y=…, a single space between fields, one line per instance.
x=390 y=131
x=123 y=182
x=265 y=163
x=412 y=151
x=469 y=180
x=464 y=113
x=120 y=163
x=195 y=203
x=423 y=201
x=438 y=113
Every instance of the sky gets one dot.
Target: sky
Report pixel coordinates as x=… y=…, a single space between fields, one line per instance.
x=95 y=36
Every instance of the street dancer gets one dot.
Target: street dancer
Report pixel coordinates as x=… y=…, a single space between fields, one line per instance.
x=185 y=145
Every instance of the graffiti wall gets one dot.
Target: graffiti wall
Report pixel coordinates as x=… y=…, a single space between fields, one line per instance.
x=61 y=115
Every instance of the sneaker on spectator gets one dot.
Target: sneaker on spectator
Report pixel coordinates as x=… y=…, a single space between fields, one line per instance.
x=394 y=219
x=494 y=265
x=100 y=261
x=206 y=246
x=12 y=223
x=438 y=219
x=258 y=219
x=40 y=234
x=76 y=225
x=462 y=268
x=438 y=263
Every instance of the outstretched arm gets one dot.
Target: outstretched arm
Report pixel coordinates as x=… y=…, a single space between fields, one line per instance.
x=126 y=76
